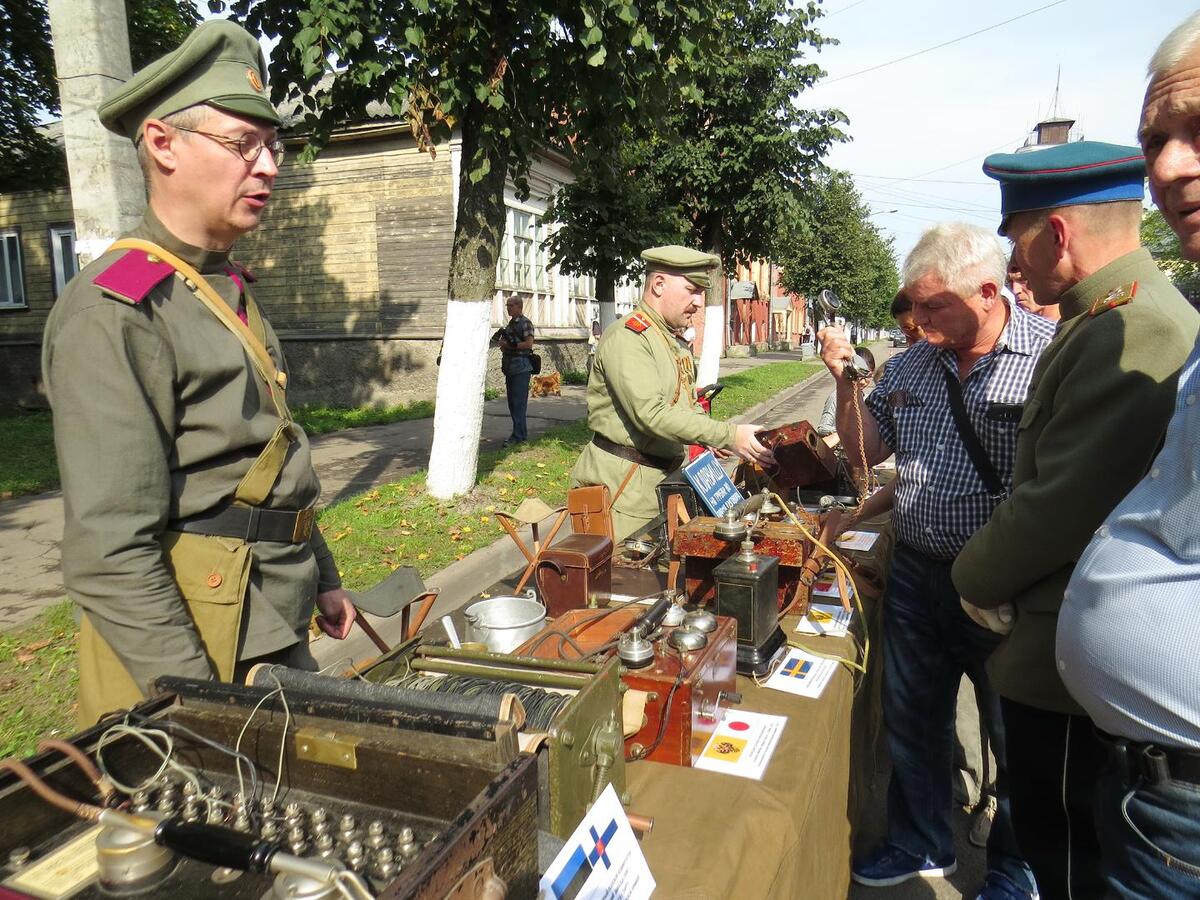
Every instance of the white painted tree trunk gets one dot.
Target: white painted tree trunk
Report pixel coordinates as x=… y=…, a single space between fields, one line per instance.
x=458 y=418
x=608 y=313
x=713 y=346
x=91 y=55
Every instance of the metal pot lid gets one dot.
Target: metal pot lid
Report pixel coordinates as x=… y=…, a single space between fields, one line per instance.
x=687 y=639
x=701 y=620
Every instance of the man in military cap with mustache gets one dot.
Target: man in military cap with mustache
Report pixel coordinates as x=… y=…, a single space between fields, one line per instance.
x=189 y=493
x=642 y=405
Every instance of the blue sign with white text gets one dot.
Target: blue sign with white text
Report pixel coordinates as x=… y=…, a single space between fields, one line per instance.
x=715 y=488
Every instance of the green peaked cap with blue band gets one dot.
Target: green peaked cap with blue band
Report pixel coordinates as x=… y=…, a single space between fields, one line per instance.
x=1066 y=175
x=694 y=265
x=219 y=64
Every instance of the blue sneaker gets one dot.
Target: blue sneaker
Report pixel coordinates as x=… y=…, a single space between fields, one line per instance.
x=890 y=865
x=999 y=886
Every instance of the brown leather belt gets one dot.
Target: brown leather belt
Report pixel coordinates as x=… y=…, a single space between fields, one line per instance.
x=662 y=463
x=252 y=523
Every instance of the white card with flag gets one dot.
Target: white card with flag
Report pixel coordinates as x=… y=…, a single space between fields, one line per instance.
x=802 y=674
x=601 y=860
x=742 y=744
x=824 y=619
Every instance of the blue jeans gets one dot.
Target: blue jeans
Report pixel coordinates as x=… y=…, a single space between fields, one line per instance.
x=1150 y=837
x=516 y=387
x=929 y=643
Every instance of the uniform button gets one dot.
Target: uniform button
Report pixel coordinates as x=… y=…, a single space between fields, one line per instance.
x=1102 y=531
x=1155 y=472
x=1062 y=666
x=214 y=580
x=1191 y=399
x=928 y=530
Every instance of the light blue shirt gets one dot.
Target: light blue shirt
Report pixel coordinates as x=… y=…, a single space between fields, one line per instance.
x=1129 y=631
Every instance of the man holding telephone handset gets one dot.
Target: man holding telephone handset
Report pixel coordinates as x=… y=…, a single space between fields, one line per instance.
x=949 y=409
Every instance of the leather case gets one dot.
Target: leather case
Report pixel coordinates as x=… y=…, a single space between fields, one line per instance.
x=803 y=458
x=575 y=570
x=590 y=510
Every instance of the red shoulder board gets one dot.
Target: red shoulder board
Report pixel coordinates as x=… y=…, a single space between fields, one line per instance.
x=132 y=276
x=1117 y=297
x=637 y=322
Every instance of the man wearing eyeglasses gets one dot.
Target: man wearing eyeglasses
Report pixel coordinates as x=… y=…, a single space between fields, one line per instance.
x=189 y=543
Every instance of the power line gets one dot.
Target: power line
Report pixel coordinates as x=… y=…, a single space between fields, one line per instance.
x=842 y=9
x=971 y=158
x=922 y=196
x=931 y=180
x=943 y=44
x=953 y=209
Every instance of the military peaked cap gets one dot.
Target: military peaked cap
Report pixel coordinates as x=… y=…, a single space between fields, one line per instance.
x=1066 y=175
x=220 y=64
x=693 y=265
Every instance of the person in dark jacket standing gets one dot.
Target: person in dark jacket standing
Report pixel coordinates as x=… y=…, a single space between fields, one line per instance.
x=516 y=362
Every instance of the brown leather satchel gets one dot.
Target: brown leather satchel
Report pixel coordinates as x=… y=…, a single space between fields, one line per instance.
x=576 y=570
x=590 y=507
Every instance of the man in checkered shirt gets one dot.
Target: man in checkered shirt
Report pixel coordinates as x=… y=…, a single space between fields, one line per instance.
x=953 y=276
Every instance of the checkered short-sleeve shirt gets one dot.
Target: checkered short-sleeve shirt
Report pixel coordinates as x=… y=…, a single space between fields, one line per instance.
x=940 y=498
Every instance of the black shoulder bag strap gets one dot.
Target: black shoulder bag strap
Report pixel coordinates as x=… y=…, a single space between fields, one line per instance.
x=979 y=458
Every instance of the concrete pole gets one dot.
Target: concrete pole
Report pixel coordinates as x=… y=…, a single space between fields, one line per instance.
x=91 y=53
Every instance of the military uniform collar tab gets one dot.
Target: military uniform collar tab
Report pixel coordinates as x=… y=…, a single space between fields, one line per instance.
x=207 y=262
x=1123 y=270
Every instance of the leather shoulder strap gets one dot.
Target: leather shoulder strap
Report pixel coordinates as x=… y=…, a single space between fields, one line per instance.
x=979 y=458
x=276 y=380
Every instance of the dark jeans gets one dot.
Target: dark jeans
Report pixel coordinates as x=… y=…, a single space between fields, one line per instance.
x=516 y=386
x=929 y=643
x=1150 y=837
x=1054 y=760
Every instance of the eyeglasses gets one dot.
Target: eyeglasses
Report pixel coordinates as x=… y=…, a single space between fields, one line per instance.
x=248 y=146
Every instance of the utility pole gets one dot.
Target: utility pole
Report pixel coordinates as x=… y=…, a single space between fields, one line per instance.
x=91 y=54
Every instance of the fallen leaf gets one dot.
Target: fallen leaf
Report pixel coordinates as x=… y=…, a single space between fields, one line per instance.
x=422 y=556
x=39 y=645
x=490 y=508
x=25 y=658
x=483 y=520
x=405 y=533
x=484 y=595
x=510 y=476
x=389 y=549
x=503 y=491
x=540 y=465
x=466 y=529
x=461 y=556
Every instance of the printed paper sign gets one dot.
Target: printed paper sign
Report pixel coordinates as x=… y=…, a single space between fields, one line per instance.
x=858 y=540
x=601 y=860
x=802 y=674
x=742 y=744
x=712 y=485
x=822 y=619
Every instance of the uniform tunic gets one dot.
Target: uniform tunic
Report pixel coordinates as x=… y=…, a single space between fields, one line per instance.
x=1098 y=406
x=642 y=394
x=158 y=414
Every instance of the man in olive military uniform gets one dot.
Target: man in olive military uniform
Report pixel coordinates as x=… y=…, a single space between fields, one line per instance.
x=642 y=405
x=189 y=543
x=1097 y=409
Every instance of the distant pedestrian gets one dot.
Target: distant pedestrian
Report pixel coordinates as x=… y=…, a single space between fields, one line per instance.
x=516 y=347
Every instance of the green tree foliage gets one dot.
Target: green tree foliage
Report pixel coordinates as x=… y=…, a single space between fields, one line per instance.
x=834 y=245
x=513 y=76
x=28 y=159
x=729 y=162
x=1163 y=245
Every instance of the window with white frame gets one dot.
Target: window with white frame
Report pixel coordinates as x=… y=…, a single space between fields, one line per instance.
x=583 y=286
x=12 y=276
x=62 y=255
x=523 y=254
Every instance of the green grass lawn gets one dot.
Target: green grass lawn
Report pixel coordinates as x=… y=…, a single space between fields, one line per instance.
x=370 y=535
x=27 y=460
x=37 y=681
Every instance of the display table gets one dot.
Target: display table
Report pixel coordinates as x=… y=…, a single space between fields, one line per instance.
x=789 y=835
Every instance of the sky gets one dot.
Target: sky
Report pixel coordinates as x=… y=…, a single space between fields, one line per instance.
x=922 y=127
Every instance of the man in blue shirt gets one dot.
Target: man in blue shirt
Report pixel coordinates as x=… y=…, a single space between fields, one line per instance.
x=1128 y=630
x=984 y=350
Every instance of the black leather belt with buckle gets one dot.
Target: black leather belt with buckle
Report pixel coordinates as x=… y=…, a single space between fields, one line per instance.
x=1155 y=764
x=634 y=456
x=252 y=523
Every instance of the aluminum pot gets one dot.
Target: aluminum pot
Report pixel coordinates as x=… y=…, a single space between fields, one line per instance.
x=505 y=623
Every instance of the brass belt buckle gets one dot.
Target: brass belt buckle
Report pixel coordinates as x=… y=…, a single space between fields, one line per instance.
x=304 y=523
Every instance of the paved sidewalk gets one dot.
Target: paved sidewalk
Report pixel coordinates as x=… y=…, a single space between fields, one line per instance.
x=348 y=462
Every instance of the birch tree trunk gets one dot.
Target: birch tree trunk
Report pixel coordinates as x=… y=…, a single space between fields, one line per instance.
x=606 y=297
x=478 y=231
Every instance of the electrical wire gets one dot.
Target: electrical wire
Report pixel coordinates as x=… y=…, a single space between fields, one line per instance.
x=148 y=737
x=282 y=741
x=956 y=40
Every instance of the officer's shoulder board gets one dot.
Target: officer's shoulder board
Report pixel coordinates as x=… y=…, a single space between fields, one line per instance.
x=132 y=276
x=637 y=323
x=1114 y=298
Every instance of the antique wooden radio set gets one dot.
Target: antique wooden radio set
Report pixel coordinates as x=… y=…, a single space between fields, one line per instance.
x=277 y=792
